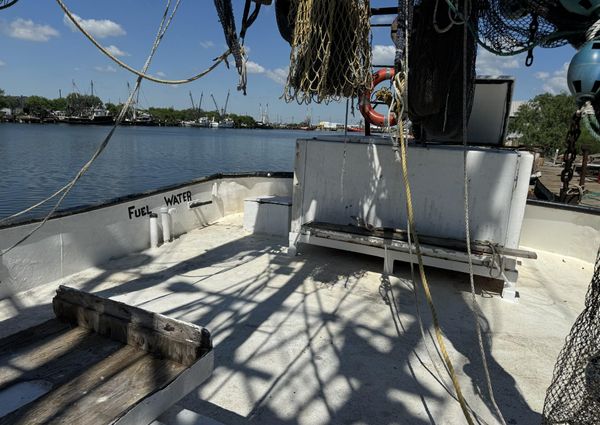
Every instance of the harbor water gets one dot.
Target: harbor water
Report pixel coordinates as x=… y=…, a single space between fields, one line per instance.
x=36 y=160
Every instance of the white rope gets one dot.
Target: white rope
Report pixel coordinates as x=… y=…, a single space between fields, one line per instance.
x=475 y=309
x=593 y=31
x=142 y=73
x=61 y=190
x=164 y=25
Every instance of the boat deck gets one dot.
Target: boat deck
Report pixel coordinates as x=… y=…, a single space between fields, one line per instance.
x=317 y=339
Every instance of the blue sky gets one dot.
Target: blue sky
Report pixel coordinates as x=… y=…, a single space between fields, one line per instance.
x=41 y=54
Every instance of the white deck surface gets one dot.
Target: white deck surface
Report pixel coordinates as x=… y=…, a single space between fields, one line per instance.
x=310 y=340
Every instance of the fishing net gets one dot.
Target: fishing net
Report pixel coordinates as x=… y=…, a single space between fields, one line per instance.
x=437 y=50
x=436 y=58
x=225 y=12
x=573 y=397
x=513 y=26
x=7 y=3
x=331 y=53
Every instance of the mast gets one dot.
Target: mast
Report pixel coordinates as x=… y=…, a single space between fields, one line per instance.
x=215 y=102
x=226 y=102
x=200 y=104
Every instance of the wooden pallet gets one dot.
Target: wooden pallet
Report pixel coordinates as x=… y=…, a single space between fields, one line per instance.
x=100 y=362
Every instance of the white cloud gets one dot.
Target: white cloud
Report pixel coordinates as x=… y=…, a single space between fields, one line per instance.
x=383 y=55
x=26 y=29
x=490 y=64
x=161 y=74
x=385 y=19
x=2 y=63
x=207 y=44
x=107 y=68
x=115 y=51
x=279 y=75
x=254 y=68
x=554 y=82
x=99 y=28
x=542 y=75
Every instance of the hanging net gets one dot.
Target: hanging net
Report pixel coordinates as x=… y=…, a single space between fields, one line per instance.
x=225 y=12
x=513 y=26
x=436 y=58
x=573 y=397
x=331 y=53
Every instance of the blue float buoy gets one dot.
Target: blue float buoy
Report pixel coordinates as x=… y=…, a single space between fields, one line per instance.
x=581 y=7
x=584 y=72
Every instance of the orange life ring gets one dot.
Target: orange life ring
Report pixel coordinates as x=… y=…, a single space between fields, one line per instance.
x=366 y=109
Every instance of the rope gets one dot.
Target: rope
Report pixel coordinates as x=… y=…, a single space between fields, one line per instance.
x=401 y=156
x=164 y=25
x=475 y=309
x=141 y=74
x=590 y=121
x=593 y=31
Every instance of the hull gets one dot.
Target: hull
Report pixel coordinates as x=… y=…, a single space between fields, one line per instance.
x=104 y=120
x=79 y=239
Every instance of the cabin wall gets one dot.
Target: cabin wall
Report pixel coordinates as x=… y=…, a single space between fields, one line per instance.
x=570 y=232
x=359 y=180
x=75 y=242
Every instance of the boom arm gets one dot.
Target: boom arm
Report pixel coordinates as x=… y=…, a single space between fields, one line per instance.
x=226 y=103
x=215 y=102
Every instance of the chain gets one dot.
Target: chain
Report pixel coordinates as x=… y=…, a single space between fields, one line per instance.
x=533 y=29
x=567 y=173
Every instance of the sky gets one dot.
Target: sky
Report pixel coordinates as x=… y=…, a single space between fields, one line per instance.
x=42 y=53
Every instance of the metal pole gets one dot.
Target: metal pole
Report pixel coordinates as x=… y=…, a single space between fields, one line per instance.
x=584 y=164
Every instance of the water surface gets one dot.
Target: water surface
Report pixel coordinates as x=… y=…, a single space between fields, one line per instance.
x=36 y=160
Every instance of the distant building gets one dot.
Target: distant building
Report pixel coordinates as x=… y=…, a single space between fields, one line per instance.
x=514 y=107
x=331 y=126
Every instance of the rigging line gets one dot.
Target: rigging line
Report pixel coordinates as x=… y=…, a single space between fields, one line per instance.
x=475 y=309
x=164 y=25
x=402 y=157
x=141 y=74
x=424 y=282
x=162 y=29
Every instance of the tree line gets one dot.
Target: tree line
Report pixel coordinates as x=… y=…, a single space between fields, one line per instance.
x=76 y=103
x=543 y=123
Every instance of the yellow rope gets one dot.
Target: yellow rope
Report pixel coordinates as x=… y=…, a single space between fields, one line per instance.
x=399 y=84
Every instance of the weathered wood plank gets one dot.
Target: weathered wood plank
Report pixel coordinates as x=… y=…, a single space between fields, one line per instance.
x=402 y=236
x=151 y=332
x=102 y=392
x=52 y=351
x=184 y=352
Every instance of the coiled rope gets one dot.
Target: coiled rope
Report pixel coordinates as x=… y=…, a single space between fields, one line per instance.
x=141 y=74
x=164 y=25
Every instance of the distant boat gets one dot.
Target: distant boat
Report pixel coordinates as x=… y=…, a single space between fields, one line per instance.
x=214 y=124
x=200 y=122
x=141 y=119
x=96 y=116
x=227 y=123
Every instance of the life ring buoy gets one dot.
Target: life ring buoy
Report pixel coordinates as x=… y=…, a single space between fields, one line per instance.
x=367 y=110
